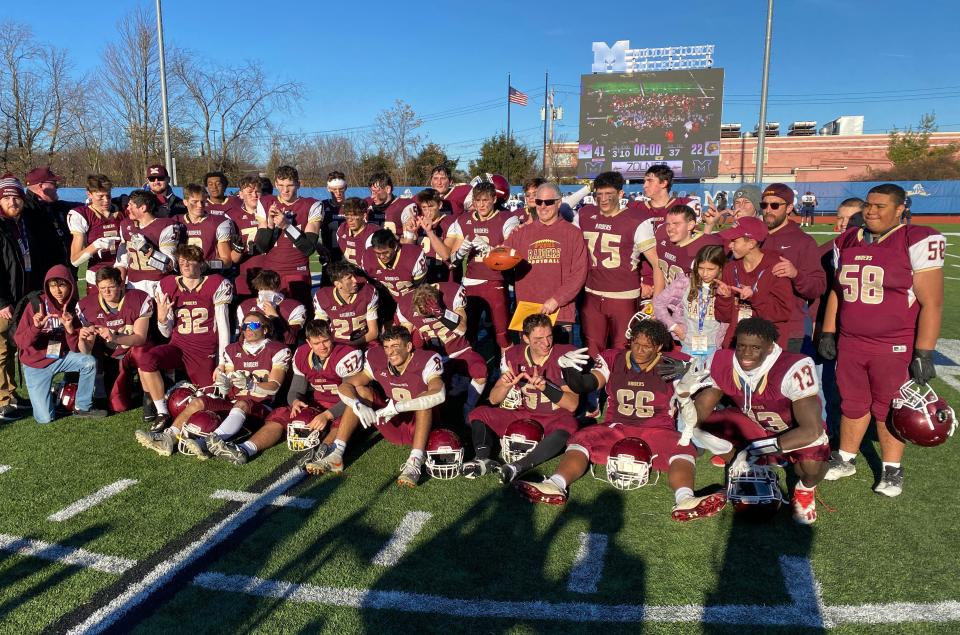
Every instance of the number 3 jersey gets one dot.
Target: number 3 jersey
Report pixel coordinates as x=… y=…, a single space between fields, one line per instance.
x=636 y=396
x=874 y=283
x=766 y=394
x=195 y=323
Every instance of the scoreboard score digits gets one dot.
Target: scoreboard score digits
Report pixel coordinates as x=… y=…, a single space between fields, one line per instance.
x=630 y=121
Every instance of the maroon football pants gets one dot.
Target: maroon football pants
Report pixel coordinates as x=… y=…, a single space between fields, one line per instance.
x=494 y=296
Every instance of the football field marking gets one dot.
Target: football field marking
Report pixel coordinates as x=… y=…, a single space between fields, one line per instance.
x=4 y=468
x=806 y=608
x=107 y=615
x=588 y=563
x=92 y=500
x=64 y=555
x=280 y=501
x=392 y=552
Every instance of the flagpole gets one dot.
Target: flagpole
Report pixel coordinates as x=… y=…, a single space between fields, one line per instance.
x=508 y=106
x=546 y=89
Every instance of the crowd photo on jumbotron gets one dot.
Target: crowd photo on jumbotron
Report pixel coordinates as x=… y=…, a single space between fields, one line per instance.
x=302 y=334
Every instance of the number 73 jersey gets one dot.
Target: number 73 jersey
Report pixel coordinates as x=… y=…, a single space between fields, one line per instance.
x=874 y=283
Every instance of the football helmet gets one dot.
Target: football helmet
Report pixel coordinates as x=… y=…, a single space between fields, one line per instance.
x=513 y=400
x=300 y=437
x=179 y=396
x=754 y=490
x=920 y=416
x=645 y=313
x=202 y=423
x=629 y=463
x=519 y=439
x=66 y=394
x=500 y=184
x=444 y=454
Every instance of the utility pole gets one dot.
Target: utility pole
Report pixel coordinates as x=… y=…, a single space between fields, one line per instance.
x=762 y=127
x=543 y=115
x=163 y=96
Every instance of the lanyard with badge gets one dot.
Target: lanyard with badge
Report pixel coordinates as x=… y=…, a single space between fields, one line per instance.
x=744 y=310
x=24 y=244
x=54 y=327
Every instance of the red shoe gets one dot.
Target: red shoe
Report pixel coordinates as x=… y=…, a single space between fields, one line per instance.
x=694 y=507
x=545 y=492
x=717 y=461
x=805 y=506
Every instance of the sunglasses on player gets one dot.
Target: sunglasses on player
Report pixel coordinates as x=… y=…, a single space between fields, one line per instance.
x=771 y=205
x=252 y=326
x=543 y=202
x=157 y=178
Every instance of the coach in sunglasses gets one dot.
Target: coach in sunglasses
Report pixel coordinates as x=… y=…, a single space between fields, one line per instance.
x=158 y=182
x=799 y=258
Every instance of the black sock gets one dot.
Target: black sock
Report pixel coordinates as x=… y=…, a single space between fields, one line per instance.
x=482 y=439
x=551 y=446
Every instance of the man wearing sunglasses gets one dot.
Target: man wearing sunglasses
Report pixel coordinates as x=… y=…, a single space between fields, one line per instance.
x=798 y=255
x=168 y=203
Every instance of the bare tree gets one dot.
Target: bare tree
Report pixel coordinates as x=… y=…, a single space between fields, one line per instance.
x=394 y=135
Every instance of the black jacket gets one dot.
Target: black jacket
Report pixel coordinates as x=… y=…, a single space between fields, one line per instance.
x=47 y=222
x=14 y=281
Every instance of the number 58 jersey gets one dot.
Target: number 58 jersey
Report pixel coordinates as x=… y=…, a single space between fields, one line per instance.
x=878 y=308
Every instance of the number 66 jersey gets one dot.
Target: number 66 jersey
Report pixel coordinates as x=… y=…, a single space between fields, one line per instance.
x=874 y=282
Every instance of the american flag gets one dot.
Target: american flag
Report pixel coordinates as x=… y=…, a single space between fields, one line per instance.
x=517 y=97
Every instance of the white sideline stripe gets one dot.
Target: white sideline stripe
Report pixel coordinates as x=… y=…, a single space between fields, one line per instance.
x=107 y=615
x=806 y=609
x=87 y=502
x=406 y=531
x=4 y=468
x=245 y=497
x=950 y=379
x=65 y=555
x=588 y=563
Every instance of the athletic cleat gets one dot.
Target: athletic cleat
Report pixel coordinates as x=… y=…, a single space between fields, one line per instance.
x=329 y=464
x=479 y=467
x=410 y=474
x=839 y=468
x=693 y=507
x=312 y=455
x=546 y=492
x=804 y=506
x=508 y=473
x=160 y=442
x=891 y=483
x=226 y=450
x=161 y=423
x=717 y=461
x=194 y=447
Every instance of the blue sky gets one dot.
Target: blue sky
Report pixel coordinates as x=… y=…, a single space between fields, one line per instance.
x=830 y=57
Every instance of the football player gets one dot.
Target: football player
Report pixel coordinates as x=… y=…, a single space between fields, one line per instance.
x=383 y=207
x=398 y=268
x=210 y=232
x=436 y=316
x=332 y=215
x=119 y=319
x=147 y=243
x=640 y=404
x=425 y=225
x=777 y=411
x=354 y=235
x=470 y=237
x=350 y=306
x=95 y=228
x=287 y=316
x=193 y=311
x=215 y=186
x=678 y=242
x=654 y=205
x=244 y=217
x=453 y=195
x=881 y=323
x=616 y=239
x=287 y=234
x=531 y=375
x=412 y=380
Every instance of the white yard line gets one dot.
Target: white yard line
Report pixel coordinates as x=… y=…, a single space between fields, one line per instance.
x=65 y=555
x=151 y=581
x=588 y=563
x=92 y=500
x=406 y=531
x=4 y=468
x=245 y=497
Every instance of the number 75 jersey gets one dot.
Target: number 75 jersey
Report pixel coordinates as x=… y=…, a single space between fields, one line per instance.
x=878 y=308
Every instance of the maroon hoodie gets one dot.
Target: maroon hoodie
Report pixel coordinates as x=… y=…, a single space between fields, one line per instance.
x=34 y=343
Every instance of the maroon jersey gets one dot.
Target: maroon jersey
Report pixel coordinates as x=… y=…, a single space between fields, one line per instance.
x=676 y=259
x=438 y=269
x=223 y=209
x=409 y=266
x=493 y=231
x=391 y=215
x=163 y=234
x=636 y=396
x=518 y=360
x=456 y=196
x=874 y=281
x=207 y=234
x=354 y=246
x=244 y=222
x=655 y=214
x=772 y=297
x=409 y=384
x=616 y=245
x=428 y=331
x=91 y=225
x=347 y=317
x=283 y=257
x=135 y=304
x=256 y=360
x=324 y=375
x=772 y=388
x=195 y=325
x=287 y=325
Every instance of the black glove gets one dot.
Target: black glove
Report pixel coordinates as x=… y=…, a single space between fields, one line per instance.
x=827 y=346
x=922 y=368
x=671 y=369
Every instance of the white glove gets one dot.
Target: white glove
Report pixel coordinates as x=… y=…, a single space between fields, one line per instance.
x=138 y=242
x=688 y=418
x=691 y=381
x=574 y=359
x=387 y=413
x=365 y=414
x=105 y=243
x=239 y=380
x=740 y=462
x=223 y=384
x=483 y=247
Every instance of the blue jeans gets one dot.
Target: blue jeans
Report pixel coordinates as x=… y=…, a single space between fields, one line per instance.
x=39 y=381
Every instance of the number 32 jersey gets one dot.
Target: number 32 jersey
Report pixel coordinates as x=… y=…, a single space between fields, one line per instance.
x=195 y=324
x=878 y=308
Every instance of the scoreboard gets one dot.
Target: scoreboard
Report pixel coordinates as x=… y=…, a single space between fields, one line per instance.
x=630 y=121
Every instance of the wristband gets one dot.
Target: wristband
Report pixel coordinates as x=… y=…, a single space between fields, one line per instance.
x=552 y=392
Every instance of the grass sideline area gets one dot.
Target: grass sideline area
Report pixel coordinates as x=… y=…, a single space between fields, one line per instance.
x=355 y=553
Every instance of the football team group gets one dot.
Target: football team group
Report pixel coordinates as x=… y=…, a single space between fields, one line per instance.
x=449 y=323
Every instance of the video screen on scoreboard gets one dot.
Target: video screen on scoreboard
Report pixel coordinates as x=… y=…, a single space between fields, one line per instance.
x=630 y=121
